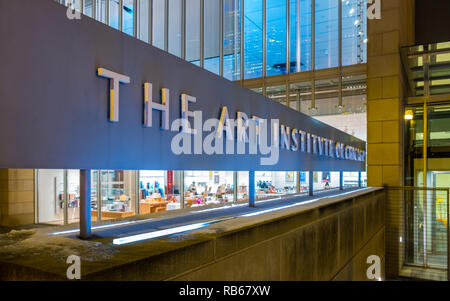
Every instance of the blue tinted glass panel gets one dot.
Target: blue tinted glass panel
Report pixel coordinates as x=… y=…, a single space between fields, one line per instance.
x=114 y=14
x=300 y=35
x=232 y=39
x=253 y=38
x=212 y=36
x=276 y=37
x=143 y=11
x=128 y=17
x=175 y=27
x=354 y=32
x=158 y=23
x=327 y=36
x=193 y=31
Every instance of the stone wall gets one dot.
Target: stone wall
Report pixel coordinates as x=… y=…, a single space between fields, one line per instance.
x=327 y=242
x=16 y=197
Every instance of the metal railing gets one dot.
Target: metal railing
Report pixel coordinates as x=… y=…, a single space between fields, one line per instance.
x=417 y=232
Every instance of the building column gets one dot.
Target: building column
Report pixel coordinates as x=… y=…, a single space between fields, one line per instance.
x=341 y=180
x=251 y=188
x=85 y=203
x=386 y=91
x=311 y=183
x=359 y=179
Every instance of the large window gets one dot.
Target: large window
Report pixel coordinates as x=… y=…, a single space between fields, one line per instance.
x=327 y=34
x=212 y=36
x=276 y=37
x=253 y=38
x=158 y=28
x=193 y=31
x=208 y=188
x=244 y=27
x=143 y=20
x=232 y=39
x=271 y=184
x=354 y=28
x=159 y=191
x=300 y=35
x=175 y=19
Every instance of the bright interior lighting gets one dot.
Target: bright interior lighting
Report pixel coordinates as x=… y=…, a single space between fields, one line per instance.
x=156 y=234
x=101 y=227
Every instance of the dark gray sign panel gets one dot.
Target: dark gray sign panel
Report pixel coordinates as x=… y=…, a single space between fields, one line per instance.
x=56 y=112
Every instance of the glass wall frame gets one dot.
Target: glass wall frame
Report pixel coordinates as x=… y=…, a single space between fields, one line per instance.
x=291 y=29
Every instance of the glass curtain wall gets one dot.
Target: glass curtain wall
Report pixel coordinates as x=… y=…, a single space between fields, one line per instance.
x=275 y=33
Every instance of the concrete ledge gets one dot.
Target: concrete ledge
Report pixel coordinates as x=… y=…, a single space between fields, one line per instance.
x=324 y=240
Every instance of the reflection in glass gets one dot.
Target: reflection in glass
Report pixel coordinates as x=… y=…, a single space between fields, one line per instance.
x=276 y=37
x=232 y=39
x=128 y=17
x=193 y=31
x=327 y=38
x=208 y=188
x=354 y=28
x=158 y=23
x=300 y=35
x=143 y=20
x=253 y=38
x=211 y=37
x=114 y=14
x=175 y=27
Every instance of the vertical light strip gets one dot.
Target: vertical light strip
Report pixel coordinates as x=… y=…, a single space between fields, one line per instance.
x=221 y=34
x=202 y=33
x=99 y=195
x=66 y=196
x=137 y=201
x=181 y=174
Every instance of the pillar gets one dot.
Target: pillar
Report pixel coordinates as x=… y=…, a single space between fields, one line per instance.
x=85 y=203
x=251 y=188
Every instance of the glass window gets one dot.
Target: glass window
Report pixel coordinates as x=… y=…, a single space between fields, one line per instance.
x=143 y=20
x=253 y=38
x=350 y=179
x=327 y=37
x=208 y=188
x=118 y=192
x=242 y=192
x=128 y=17
x=50 y=196
x=212 y=36
x=159 y=191
x=277 y=93
x=232 y=40
x=193 y=31
x=326 y=180
x=158 y=30
x=354 y=32
x=114 y=13
x=300 y=96
x=276 y=37
x=87 y=10
x=175 y=27
x=271 y=184
x=300 y=35
x=100 y=10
